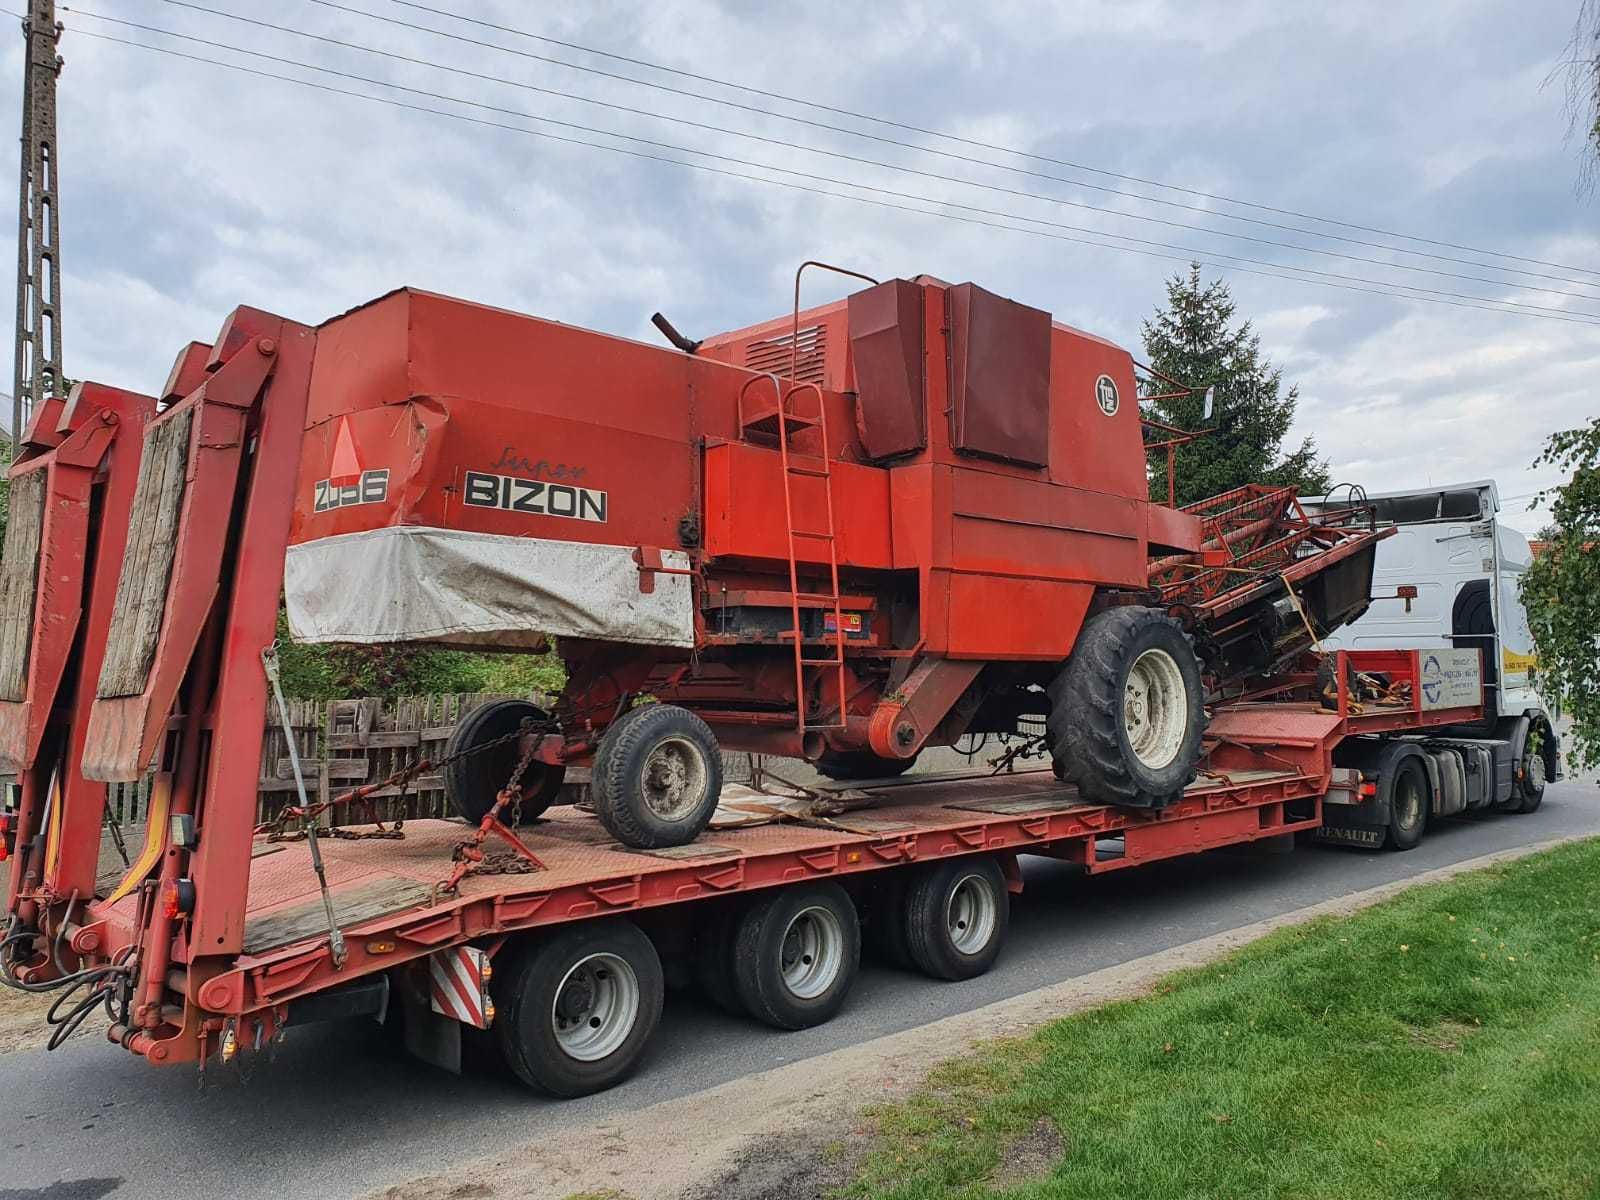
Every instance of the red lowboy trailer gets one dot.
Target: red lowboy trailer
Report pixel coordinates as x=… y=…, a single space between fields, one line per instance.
x=374 y=472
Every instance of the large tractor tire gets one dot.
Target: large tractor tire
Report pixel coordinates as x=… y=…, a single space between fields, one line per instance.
x=1126 y=712
x=861 y=764
x=657 y=777
x=472 y=783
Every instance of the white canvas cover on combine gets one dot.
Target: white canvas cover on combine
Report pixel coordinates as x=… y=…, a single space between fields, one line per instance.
x=411 y=583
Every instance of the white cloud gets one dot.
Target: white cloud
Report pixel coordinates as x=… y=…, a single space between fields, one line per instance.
x=188 y=190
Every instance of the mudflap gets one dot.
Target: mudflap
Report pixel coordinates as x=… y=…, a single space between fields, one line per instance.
x=429 y=1036
x=1365 y=825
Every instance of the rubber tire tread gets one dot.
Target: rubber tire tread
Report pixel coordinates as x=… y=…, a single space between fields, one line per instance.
x=927 y=929
x=1084 y=728
x=713 y=957
x=861 y=764
x=758 y=946
x=618 y=765
x=472 y=783
x=526 y=992
x=1398 y=838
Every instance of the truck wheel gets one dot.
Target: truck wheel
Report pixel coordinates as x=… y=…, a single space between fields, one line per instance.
x=1408 y=806
x=579 y=1008
x=861 y=764
x=657 y=777
x=1125 y=712
x=1530 y=788
x=796 y=954
x=473 y=782
x=713 y=957
x=956 y=914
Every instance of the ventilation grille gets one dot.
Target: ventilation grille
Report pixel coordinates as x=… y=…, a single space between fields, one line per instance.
x=771 y=357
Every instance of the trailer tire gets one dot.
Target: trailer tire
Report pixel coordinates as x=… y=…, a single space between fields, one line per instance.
x=1126 y=712
x=713 y=958
x=886 y=922
x=473 y=783
x=657 y=777
x=861 y=764
x=1408 y=804
x=577 y=1009
x=956 y=914
x=796 y=955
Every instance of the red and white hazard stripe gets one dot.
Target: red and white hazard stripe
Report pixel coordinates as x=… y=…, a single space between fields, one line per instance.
x=458 y=984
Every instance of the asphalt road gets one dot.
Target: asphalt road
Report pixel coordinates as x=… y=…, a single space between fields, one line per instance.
x=336 y=1114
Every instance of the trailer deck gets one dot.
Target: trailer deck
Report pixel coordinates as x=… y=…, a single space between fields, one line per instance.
x=1268 y=768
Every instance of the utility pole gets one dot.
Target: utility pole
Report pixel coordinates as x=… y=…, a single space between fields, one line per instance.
x=38 y=347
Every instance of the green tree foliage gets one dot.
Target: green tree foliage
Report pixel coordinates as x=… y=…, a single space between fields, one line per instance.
x=344 y=672
x=1194 y=339
x=1561 y=591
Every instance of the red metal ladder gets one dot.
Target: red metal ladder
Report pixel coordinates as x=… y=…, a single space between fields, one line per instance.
x=781 y=423
x=829 y=536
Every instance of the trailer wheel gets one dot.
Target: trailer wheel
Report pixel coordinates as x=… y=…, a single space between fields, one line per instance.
x=861 y=764
x=1126 y=715
x=713 y=957
x=956 y=914
x=579 y=1008
x=796 y=954
x=473 y=782
x=1408 y=805
x=657 y=777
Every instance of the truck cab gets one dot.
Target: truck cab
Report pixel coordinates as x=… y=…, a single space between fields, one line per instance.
x=1449 y=577
x=1446 y=580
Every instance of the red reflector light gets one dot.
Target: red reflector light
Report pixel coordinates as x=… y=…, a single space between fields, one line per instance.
x=1369 y=788
x=177 y=899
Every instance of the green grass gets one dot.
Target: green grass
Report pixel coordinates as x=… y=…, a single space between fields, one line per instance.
x=1443 y=1044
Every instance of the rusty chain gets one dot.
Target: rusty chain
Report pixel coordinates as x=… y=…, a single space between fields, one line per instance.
x=469 y=856
x=275 y=830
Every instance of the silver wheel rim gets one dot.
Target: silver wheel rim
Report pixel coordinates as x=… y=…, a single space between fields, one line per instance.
x=595 y=1007
x=812 y=952
x=1535 y=772
x=1155 y=709
x=675 y=778
x=971 y=914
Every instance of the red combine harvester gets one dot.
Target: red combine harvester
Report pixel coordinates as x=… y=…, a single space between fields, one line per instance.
x=844 y=535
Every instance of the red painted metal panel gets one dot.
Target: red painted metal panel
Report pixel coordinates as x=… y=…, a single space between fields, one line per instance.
x=886 y=347
x=1000 y=376
x=744 y=508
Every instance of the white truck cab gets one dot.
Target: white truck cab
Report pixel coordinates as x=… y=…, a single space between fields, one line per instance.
x=1448 y=578
x=1464 y=565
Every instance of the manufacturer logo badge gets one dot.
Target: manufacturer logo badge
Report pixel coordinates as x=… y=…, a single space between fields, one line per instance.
x=1105 y=395
x=482 y=490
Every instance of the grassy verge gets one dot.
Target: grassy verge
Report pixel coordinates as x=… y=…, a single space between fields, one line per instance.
x=1443 y=1044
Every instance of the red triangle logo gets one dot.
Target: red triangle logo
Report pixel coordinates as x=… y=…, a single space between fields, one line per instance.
x=345 y=463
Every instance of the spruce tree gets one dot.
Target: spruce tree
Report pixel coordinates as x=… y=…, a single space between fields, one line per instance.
x=1193 y=340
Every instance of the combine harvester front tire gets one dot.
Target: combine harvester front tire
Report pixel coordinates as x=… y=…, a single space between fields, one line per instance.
x=472 y=783
x=1126 y=712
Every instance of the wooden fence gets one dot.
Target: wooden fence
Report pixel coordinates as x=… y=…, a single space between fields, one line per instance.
x=345 y=743
x=342 y=744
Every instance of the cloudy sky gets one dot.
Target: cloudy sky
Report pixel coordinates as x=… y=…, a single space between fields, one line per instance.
x=188 y=189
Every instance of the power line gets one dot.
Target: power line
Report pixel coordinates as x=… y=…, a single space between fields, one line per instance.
x=979 y=144
x=789 y=145
x=1191 y=252
x=1478 y=303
